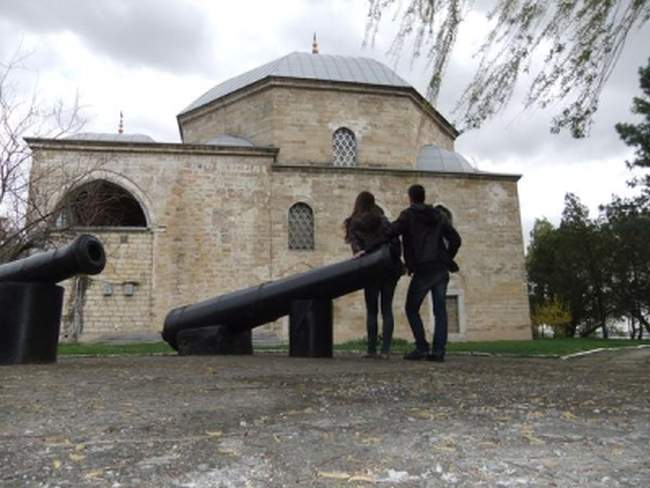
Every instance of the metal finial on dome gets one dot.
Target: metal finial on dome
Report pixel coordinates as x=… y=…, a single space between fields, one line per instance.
x=120 y=127
x=314 y=45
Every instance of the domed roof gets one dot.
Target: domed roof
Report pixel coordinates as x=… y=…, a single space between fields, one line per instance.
x=103 y=136
x=311 y=67
x=435 y=158
x=228 y=140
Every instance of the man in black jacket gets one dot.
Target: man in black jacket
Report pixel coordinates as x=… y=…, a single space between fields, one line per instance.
x=430 y=245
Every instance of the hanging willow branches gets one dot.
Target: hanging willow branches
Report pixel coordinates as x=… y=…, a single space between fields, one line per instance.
x=567 y=48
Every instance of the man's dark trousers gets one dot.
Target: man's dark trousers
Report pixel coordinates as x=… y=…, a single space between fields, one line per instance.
x=435 y=280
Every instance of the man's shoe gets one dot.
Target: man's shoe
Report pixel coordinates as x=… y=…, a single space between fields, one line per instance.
x=436 y=357
x=384 y=355
x=415 y=355
x=370 y=355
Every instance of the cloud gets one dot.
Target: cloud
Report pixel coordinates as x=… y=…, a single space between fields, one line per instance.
x=168 y=35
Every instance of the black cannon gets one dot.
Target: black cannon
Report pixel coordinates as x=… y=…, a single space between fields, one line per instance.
x=223 y=324
x=31 y=302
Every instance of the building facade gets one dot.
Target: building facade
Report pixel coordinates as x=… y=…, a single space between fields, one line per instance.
x=268 y=168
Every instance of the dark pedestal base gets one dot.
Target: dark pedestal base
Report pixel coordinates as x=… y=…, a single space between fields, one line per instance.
x=214 y=340
x=310 y=329
x=30 y=320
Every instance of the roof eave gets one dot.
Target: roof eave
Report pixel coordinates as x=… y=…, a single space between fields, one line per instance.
x=39 y=143
x=474 y=175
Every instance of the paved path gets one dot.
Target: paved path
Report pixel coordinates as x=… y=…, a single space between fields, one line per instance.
x=269 y=420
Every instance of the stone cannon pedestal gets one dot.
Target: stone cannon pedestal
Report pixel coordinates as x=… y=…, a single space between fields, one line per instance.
x=30 y=320
x=311 y=329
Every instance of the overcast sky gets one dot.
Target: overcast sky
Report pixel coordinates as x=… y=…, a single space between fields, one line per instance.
x=151 y=58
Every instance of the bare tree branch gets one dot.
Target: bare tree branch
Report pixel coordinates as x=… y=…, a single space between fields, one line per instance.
x=27 y=212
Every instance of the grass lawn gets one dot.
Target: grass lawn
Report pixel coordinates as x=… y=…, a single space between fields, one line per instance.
x=540 y=347
x=101 y=349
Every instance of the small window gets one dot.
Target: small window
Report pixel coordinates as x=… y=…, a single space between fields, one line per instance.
x=344 y=145
x=301 y=227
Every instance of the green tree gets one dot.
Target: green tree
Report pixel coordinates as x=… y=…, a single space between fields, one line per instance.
x=629 y=225
x=580 y=41
x=571 y=265
x=553 y=275
x=638 y=135
x=586 y=250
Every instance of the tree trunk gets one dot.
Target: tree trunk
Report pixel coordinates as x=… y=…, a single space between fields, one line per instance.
x=632 y=324
x=643 y=322
x=590 y=329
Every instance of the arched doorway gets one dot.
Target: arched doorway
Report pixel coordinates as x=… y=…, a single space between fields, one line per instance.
x=117 y=302
x=100 y=203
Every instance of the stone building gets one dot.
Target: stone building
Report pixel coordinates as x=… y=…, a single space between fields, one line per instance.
x=269 y=165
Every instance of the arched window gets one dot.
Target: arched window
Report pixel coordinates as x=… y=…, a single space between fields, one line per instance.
x=101 y=203
x=344 y=145
x=301 y=227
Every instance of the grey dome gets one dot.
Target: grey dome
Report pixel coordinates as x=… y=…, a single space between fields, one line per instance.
x=102 y=136
x=435 y=158
x=228 y=140
x=307 y=66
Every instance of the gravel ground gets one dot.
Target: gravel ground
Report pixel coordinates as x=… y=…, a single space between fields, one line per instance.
x=269 y=420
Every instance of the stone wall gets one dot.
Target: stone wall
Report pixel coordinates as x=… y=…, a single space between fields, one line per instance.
x=389 y=129
x=117 y=302
x=217 y=222
x=249 y=117
x=207 y=213
x=491 y=283
x=300 y=119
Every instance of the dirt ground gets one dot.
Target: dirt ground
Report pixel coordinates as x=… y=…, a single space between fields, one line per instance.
x=269 y=420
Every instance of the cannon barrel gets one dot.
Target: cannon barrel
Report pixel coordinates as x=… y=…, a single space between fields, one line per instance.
x=84 y=255
x=244 y=309
x=31 y=302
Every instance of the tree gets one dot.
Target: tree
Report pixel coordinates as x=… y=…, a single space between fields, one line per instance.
x=586 y=249
x=555 y=287
x=571 y=265
x=27 y=213
x=580 y=42
x=629 y=225
x=638 y=135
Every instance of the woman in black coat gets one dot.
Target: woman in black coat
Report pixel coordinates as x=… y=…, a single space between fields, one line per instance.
x=365 y=230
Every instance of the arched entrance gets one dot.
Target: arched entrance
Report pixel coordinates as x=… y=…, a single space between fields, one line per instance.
x=100 y=203
x=116 y=303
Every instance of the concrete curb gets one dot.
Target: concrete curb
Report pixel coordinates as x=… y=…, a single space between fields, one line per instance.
x=603 y=349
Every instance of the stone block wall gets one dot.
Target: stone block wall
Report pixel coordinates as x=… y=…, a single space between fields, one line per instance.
x=300 y=119
x=491 y=283
x=217 y=222
x=389 y=130
x=249 y=117
x=116 y=302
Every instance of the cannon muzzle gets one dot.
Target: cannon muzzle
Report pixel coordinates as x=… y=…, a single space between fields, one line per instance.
x=84 y=255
